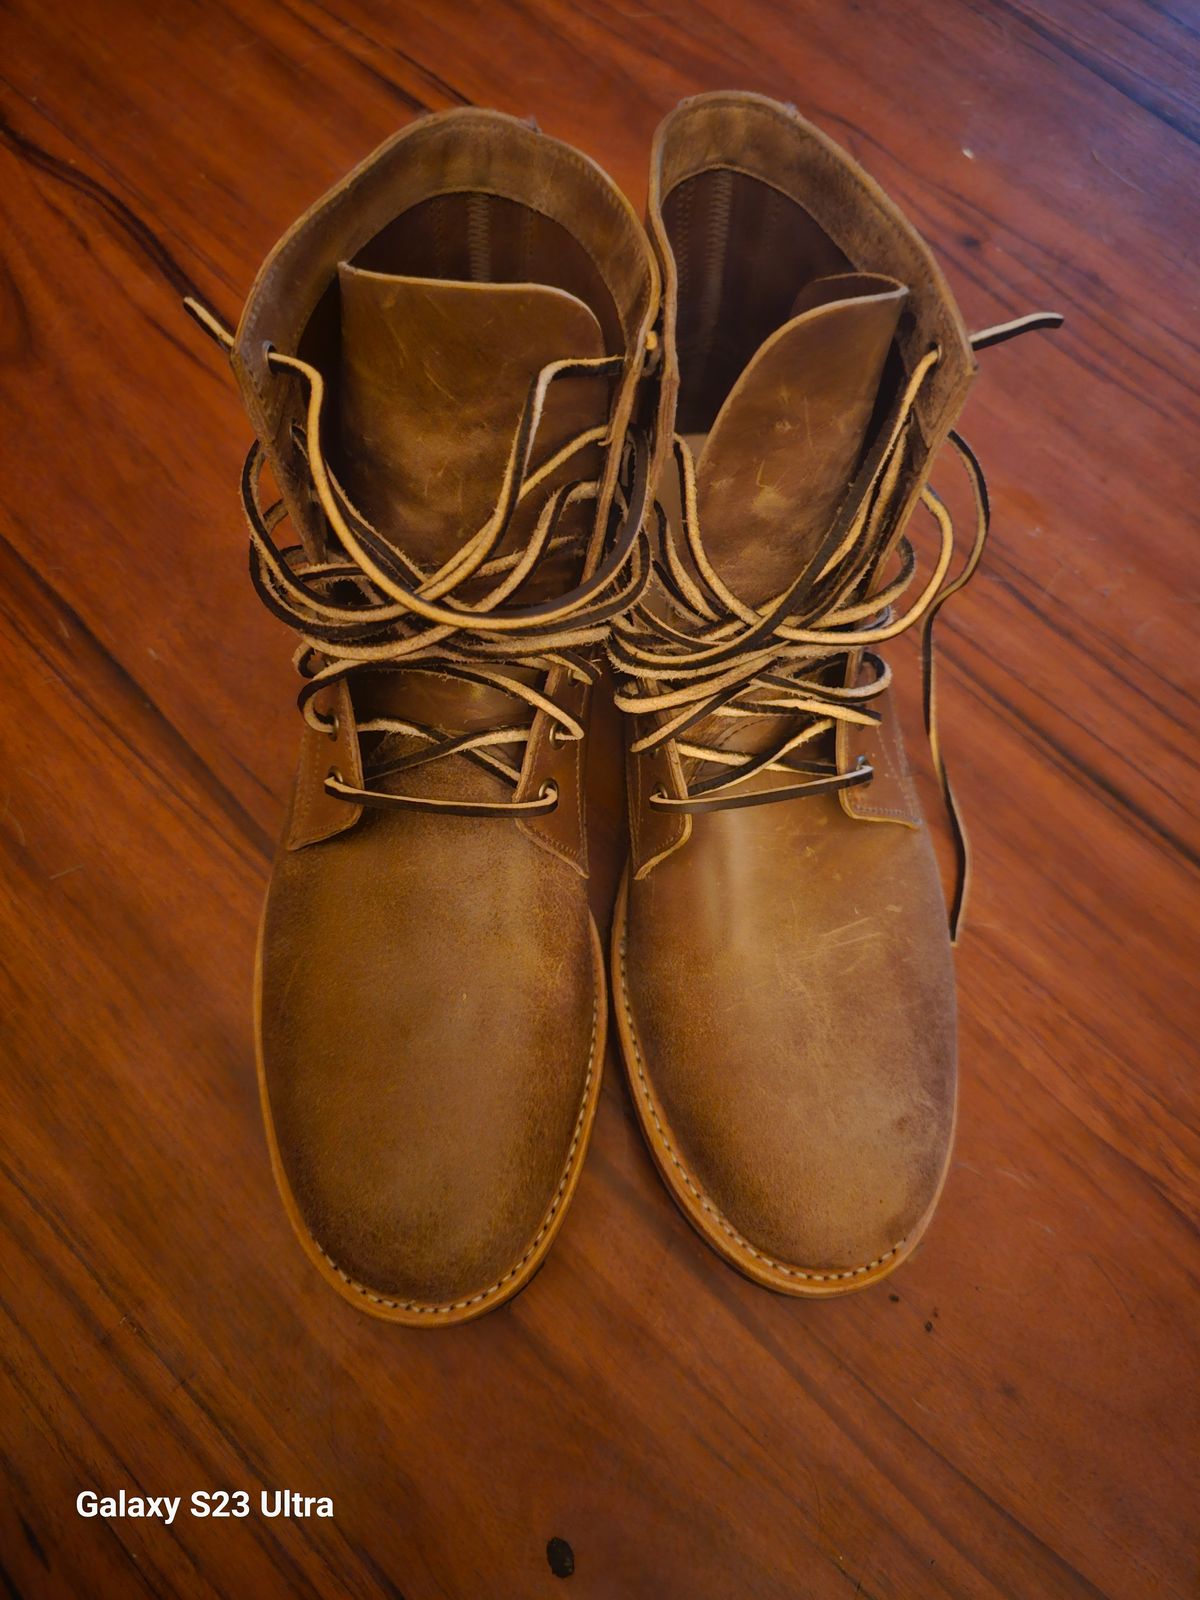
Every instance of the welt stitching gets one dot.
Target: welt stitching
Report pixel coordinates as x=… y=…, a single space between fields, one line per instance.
x=485 y=1294
x=706 y=1203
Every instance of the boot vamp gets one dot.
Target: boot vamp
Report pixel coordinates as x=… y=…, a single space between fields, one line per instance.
x=427 y=1018
x=791 y=986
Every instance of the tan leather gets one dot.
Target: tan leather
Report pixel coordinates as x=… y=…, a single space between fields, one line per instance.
x=789 y=434
x=784 y=986
x=431 y=1000
x=426 y=424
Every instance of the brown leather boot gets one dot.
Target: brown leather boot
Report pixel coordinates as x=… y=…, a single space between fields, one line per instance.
x=441 y=361
x=784 y=987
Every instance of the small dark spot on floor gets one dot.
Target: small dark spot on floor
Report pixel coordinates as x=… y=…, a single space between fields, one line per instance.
x=895 y=1299
x=929 y=1327
x=935 y=1311
x=561 y=1558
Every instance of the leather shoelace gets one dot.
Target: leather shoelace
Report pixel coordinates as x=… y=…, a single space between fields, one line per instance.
x=370 y=609
x=795 y=657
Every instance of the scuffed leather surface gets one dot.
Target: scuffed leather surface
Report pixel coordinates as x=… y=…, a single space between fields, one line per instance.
x=428 y=1008
x=406 y=208
x=771 y=143
x=787 y=439
x=891 y=795
x=315 y=815
x=808 y=1075
x=433 y=379
x=429 y=998
x=787 y=967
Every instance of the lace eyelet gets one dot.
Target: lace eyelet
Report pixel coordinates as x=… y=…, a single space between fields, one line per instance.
x=335 y=726
x=334 y=773
x=549 y=789
x=557 y=736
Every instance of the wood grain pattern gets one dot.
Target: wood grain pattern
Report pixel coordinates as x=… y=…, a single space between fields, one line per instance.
x=1015 y=1413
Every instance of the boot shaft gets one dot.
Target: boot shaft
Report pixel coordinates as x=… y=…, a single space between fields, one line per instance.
x=813 y=363
x=442 y=360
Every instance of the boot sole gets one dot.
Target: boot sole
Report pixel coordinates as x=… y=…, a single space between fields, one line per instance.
x=415 y=1314
x=700 y=1211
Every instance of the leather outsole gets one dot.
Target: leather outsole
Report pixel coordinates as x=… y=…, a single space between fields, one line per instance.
x=415 y=1314
x=697 y=1207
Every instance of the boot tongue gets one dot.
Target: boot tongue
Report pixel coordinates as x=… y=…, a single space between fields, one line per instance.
x=434 y=375
x=786 y=443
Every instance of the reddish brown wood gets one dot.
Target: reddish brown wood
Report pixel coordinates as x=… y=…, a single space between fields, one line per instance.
x=1015 y=1413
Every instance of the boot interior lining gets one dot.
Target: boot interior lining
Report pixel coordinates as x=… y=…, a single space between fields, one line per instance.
x=487 y=238
x=464 y=237
x=471 y=237
x=743 y=251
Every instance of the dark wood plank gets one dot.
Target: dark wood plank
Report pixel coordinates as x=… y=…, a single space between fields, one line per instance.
x=1015 y=1413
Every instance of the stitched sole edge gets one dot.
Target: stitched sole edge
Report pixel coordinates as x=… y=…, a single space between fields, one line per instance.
x=707 y=1218
x=414 y=1314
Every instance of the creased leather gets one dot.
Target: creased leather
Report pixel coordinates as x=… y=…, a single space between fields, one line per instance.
x=431 y=1013
x=808 y=1076
x=426 y=1034
x=784 y=972
x=787 y=439
x=893 y=796
x=433 y=378
x=313 y=815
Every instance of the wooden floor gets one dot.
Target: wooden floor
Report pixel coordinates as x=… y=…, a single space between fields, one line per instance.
x=1015 y=1413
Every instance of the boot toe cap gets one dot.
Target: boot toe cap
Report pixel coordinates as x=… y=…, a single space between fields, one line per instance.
x=428 y=1090
x=803 y=1114
x=805 y=1206
x=431 y=1207
x=435 y=1248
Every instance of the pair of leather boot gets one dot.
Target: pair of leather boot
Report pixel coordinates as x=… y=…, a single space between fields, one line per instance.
x=509 y=429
